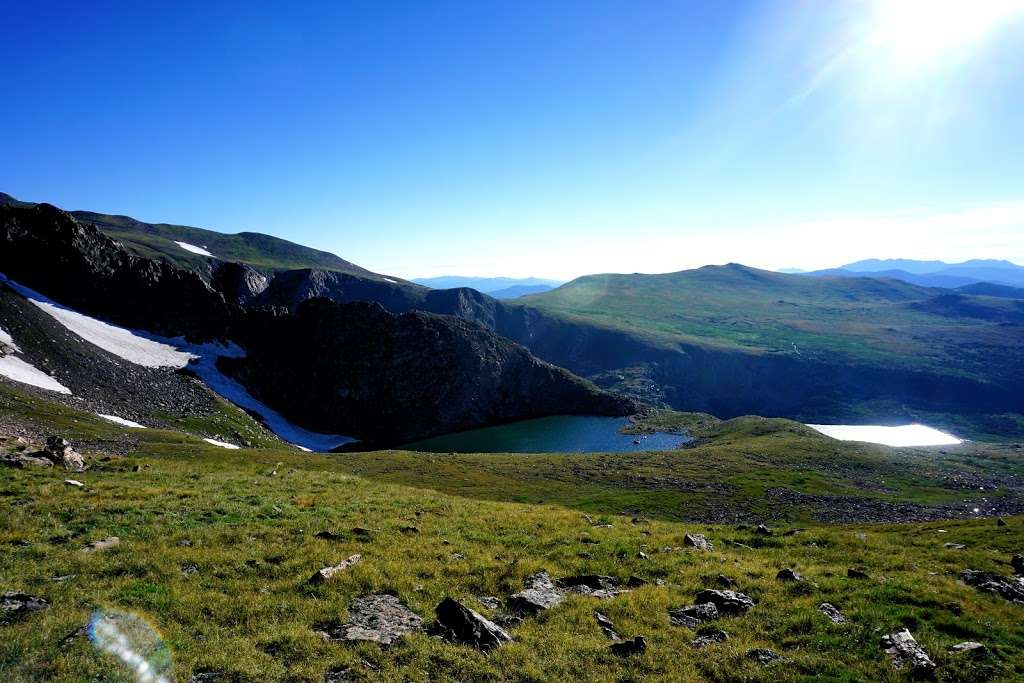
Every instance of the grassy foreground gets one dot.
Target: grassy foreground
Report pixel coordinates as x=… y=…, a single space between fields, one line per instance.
x=245 y=521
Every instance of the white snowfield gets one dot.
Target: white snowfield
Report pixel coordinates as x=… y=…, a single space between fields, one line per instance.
x=121 y=421
x=18 y=370
x=153 y=351
x=901 y=436
x=123 y=343
x=194 y=249
x=222 y=444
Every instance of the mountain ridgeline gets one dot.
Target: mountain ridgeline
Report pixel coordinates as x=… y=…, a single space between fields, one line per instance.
x=729 y=340
x=346 y=368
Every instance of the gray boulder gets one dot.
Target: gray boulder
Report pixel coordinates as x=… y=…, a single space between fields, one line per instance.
x=14 y=605
x=61 y=453
x=789 y=575
x=907 y=654
x=538 y=594
x=1011 y=589
x=710 y=637
x=327 y=573
x=764 y=655
x=832 y=612
x=693 y=616
x=969 y=647
x=698 y=541
x=727 y=602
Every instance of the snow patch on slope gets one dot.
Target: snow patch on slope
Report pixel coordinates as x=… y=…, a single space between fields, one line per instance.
x=18 y=370
x=153 y=351
x=8 y=341
x=222 y=444
x=126 y=344
x=121 y=421
x=194 y=249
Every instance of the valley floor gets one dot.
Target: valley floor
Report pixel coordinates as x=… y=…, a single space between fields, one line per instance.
x=216 y=547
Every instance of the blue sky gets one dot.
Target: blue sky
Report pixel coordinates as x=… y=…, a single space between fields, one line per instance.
x=520 y=138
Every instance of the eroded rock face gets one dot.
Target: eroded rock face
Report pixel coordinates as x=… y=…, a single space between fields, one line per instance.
x=693 y=616
x=727 y=602
x=907 y=654
x=378 y=618
x=457 y=623
x=539 y=593
x=14 y=605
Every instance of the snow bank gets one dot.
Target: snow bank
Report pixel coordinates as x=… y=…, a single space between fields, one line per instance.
x=153 y=351
x=193 y=248
x=121 y=421
x=126 y=344
x=903 y=435
x=222 y=444
x=7 y=340
x=387 y=279
x=15 y=368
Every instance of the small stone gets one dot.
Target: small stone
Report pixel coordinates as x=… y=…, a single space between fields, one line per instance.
x=969 y=647
x=762 y=530
x=102 y=544
x=954 y=546
x=698 y=541
x=457 y=623
x=644 y=556
x=727 y=602
x=906 y=653
x=692 y=616
x=626 y=648
x=607 y=627
x=340 y=676
x=832 y=612
x=409 y=530
x=363 y=532
x=788 y=574
x=327 y=573
x=854 y=573
x=710 y=637
x=763 y=655
x=74 y=482
x=457 y=556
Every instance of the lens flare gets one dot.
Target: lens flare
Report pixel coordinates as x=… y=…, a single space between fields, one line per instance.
x=135 y=643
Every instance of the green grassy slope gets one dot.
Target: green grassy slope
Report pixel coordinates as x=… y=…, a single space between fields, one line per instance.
x=860 y=320
x=246 y=521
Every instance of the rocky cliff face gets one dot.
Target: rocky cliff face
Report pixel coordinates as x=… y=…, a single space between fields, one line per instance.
x=351 y=369
x=392 y=378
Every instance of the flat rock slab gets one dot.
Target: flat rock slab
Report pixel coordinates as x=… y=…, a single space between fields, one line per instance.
x=594 y=585
x=969 y=647
x=102 y=544
x=693 y=616
x=328 y=573
x=14 y=605
x=697 y=541
x=906 y=653
x=727 y=602
x=457 y=623
x=378 y=618
x=832 y=612
x=539 y=593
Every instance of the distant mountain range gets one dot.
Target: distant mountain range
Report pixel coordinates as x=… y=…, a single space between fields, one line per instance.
x=935 y=273
x=497 y=287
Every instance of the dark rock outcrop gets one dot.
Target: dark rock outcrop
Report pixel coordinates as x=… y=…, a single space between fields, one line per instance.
x=637 y=645
x=457 y=623
x=1011 y=589
x=692 y=616
x=14 y=605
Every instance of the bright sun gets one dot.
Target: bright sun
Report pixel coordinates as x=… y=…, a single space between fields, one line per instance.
x=915 y=34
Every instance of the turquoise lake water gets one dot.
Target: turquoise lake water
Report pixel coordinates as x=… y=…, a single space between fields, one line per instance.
x=559 y=434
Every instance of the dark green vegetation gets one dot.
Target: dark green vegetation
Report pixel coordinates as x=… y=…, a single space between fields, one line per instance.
x=886 y=348
x=216 y=546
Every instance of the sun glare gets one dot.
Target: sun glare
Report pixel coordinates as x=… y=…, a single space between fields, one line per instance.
x=915 y=34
